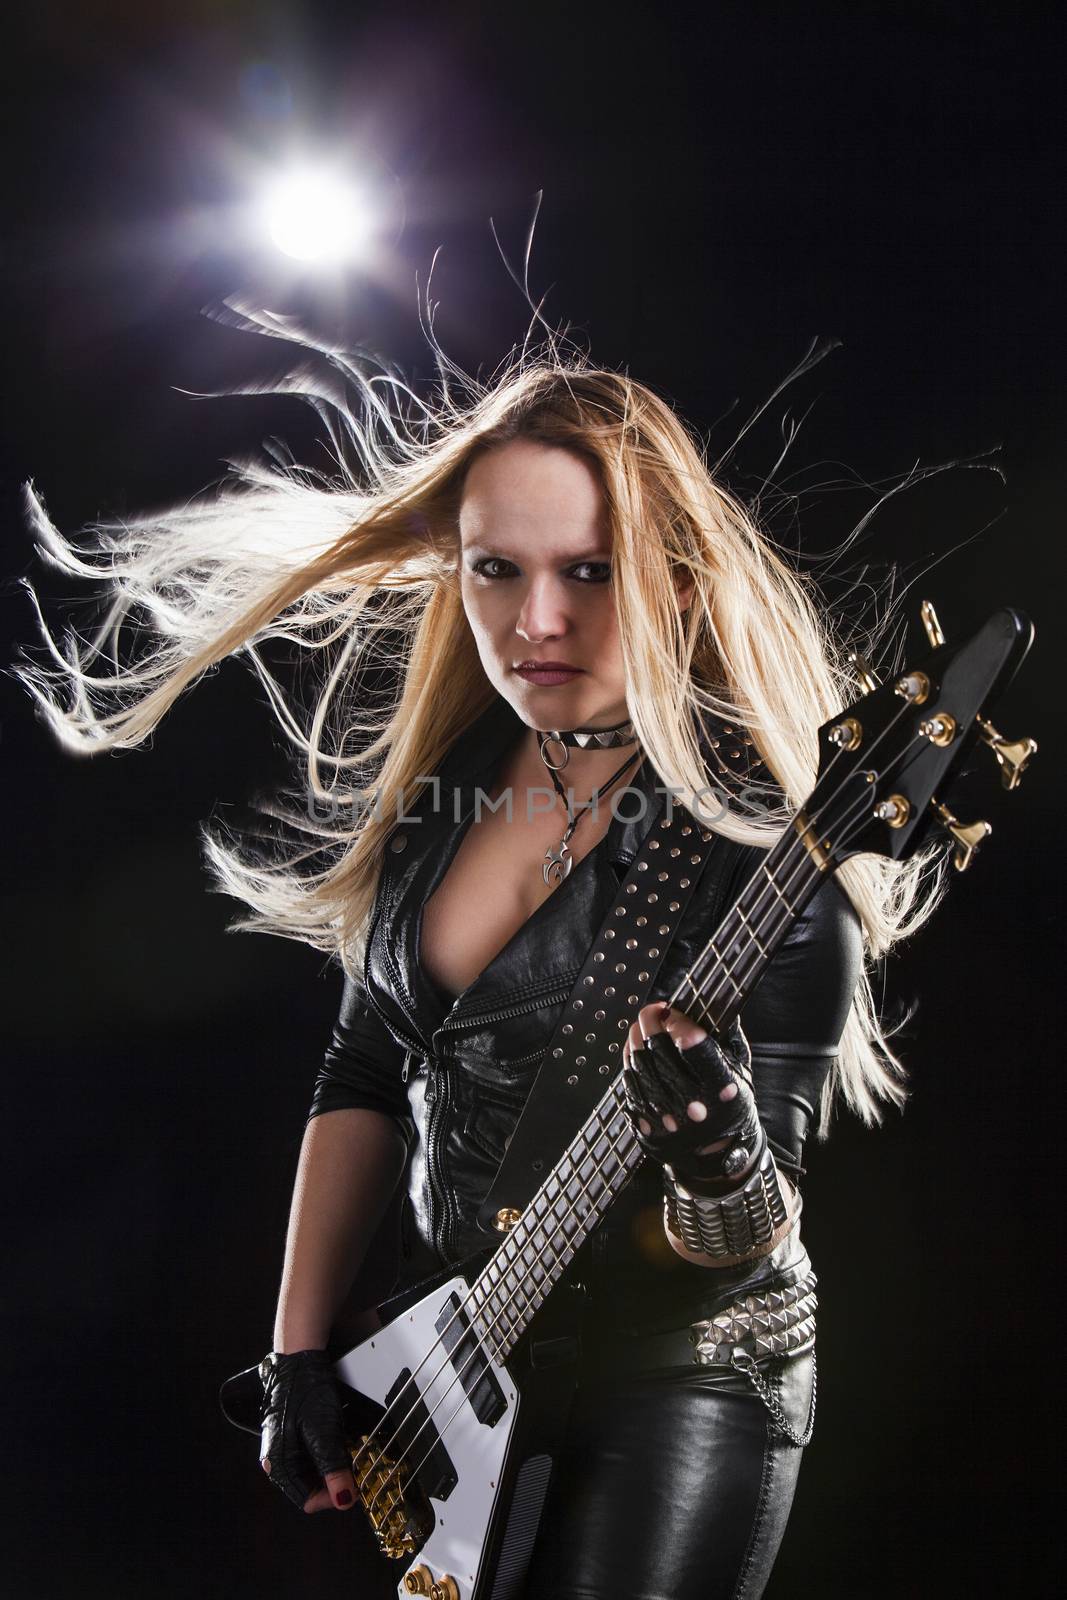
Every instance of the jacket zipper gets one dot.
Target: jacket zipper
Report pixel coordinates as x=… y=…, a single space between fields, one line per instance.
x=531 y=1003
x=411 y=1044
x=440 y=1206
x=368 y=989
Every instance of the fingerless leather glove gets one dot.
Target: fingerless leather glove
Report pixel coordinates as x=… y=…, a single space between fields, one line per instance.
x=302 y=1436
x=662 y=1079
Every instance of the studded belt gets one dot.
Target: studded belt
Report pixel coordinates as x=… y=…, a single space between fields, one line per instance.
x=771 y=1322
x=760 y=1326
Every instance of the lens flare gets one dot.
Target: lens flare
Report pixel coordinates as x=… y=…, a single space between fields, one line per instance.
x=314 y=216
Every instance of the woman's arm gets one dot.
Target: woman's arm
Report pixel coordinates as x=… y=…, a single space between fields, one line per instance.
x=353 y=1153
x=351 y=1159
x=790 y=1031
x=350 y=1163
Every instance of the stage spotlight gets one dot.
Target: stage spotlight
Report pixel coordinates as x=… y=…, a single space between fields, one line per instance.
x=314 y=215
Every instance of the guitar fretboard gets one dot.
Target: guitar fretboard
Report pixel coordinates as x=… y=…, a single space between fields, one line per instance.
x=563 y=1212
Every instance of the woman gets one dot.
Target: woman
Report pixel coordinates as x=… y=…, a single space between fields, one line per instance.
x=548 y=560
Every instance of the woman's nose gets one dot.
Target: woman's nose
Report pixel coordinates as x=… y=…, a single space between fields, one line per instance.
x=542 y=614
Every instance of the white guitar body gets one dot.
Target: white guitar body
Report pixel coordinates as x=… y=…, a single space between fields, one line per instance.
x=472 y=1470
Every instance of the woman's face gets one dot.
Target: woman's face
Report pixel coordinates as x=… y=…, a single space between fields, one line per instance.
x=535 y=547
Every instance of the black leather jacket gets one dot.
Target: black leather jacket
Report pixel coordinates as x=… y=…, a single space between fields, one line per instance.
x=455 y=1075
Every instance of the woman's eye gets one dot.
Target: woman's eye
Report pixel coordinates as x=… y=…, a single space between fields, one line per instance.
x=484 y=562
x=583 y=571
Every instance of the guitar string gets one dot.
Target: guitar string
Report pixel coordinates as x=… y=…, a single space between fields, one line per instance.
x=497 y=1320
x=414 y=1471
x=798 y=850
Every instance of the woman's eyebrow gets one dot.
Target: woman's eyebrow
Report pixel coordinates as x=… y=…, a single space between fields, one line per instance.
x=597 y=553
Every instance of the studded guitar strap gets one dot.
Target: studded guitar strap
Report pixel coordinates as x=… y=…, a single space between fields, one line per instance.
x=615 y=982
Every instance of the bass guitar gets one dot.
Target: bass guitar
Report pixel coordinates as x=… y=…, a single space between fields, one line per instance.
x=453 y=1474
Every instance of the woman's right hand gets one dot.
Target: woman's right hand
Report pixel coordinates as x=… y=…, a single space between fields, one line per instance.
x=302 y=1441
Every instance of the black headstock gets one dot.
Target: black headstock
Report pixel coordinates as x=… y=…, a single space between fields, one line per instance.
x=885 y=762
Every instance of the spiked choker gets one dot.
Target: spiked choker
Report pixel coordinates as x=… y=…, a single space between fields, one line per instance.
x=568 y=739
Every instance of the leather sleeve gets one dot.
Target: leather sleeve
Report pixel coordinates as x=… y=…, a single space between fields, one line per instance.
x=363 y=1064
x=795 y=1017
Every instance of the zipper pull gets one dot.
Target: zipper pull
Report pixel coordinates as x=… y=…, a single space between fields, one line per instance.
x=406 y=1069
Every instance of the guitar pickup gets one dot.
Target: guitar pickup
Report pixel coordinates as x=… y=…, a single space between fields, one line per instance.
x=470 y=1363
x=418 y=1440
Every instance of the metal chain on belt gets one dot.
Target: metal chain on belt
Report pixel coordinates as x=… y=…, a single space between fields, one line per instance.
x=742 y=1362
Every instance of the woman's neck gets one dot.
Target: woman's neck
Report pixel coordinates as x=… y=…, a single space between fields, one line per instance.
x=584 y=772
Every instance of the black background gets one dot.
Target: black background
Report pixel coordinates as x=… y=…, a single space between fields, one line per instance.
x=720 y=186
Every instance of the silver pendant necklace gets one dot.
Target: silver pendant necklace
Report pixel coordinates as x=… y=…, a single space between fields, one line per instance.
x=558 y=860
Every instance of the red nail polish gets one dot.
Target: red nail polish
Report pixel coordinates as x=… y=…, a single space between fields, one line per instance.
x=344 y=1497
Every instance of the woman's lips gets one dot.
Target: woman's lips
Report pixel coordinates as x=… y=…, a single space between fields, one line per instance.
x=548 y=675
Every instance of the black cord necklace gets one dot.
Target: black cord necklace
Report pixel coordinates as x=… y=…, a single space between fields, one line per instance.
x=558 y=858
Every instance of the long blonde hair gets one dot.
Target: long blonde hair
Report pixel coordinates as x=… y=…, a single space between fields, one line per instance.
x=361 y=570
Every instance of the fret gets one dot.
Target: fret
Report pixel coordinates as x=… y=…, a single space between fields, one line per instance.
x=765 y=869
x=724 y=965
x=752 y=932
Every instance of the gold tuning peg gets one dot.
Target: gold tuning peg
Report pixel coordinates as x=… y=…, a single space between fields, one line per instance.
x=867 y=679
x=1012 y=755
x=931 y=624
x=968 y=836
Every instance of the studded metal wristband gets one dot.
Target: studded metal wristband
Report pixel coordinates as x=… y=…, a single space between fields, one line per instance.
x=733 y=1227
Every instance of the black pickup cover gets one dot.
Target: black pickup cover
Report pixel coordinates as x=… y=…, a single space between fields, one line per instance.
x=470 y=1363
x=417 y=1437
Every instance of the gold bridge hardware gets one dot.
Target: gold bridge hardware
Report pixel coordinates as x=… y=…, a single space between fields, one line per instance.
x=968 y=836
x=913 y=686
x=895 y=810
x=940 y=729
x=931 y=624
x=846 y=734
x=863 y=671
x=384 y=1501
x=506 y=1218
x=1012 y=755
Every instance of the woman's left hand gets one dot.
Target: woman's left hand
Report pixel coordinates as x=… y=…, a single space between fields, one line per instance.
x=689 y=1096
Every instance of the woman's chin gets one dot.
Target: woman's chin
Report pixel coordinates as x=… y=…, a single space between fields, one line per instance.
x=560 y=706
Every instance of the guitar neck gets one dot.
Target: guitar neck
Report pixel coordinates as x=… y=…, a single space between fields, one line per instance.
x=604 y=1153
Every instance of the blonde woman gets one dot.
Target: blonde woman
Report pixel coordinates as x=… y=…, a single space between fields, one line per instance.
x=538 y=579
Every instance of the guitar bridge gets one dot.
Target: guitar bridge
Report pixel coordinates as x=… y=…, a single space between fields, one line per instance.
x=398 y=1513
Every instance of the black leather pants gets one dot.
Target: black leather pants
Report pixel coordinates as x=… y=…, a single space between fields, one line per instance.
x=673 y=1485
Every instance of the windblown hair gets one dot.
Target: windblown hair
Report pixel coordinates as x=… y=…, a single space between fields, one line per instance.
x=361 y=569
